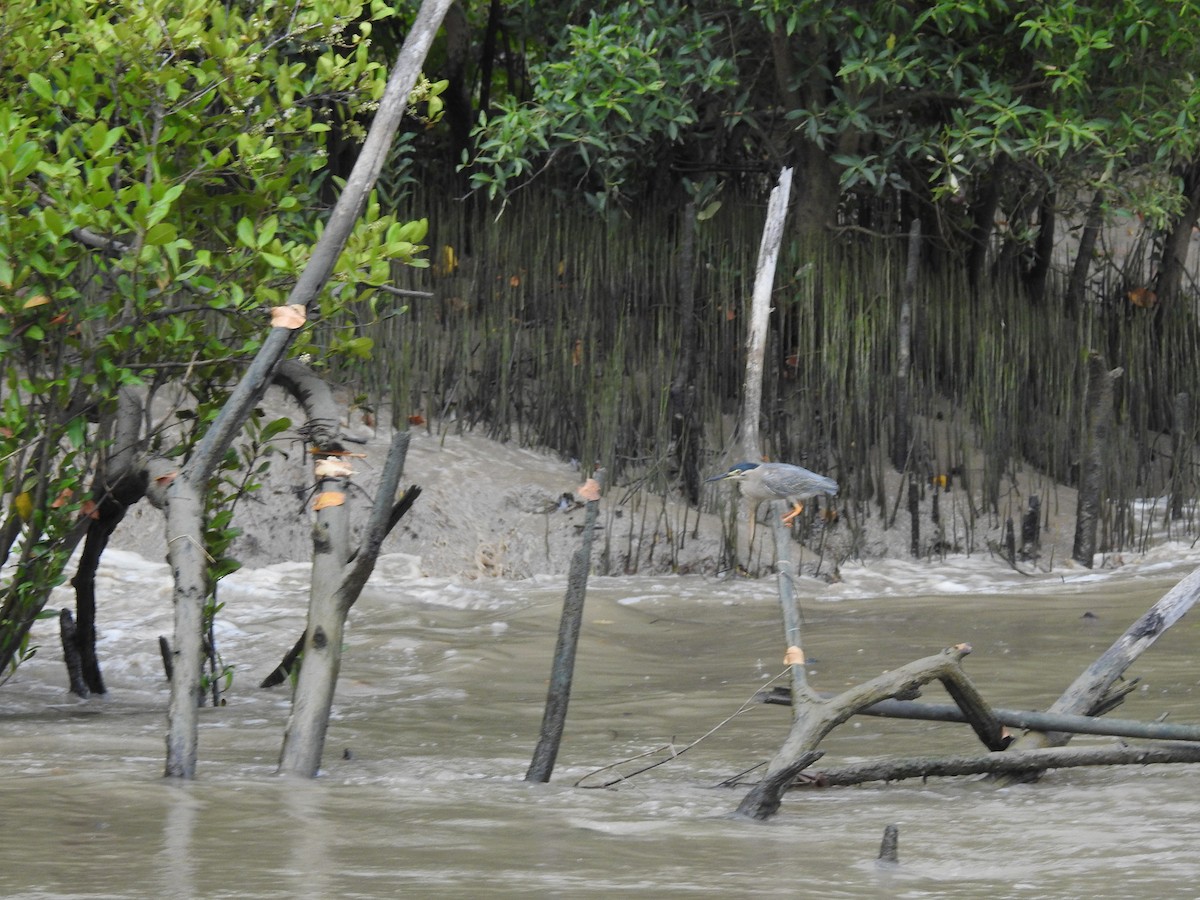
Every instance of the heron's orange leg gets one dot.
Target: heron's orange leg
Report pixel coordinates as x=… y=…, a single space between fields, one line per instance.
x=797 y=508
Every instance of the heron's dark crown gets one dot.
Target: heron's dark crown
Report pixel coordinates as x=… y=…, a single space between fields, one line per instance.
x=743 y=467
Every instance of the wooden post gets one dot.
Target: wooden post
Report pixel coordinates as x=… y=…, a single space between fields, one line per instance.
x=563 y=668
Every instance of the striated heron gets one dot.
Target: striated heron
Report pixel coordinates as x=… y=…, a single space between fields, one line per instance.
x=777 y=481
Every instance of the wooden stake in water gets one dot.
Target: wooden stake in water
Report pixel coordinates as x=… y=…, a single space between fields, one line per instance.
x=563 y=666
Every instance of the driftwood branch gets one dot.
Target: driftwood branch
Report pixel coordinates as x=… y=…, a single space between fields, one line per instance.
x=1093 y=688
x=815 y=718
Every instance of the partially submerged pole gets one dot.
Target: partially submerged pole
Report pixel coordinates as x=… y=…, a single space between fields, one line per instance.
x=563 y=667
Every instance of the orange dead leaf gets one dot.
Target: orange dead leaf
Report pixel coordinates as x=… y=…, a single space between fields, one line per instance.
x=577 y=353
x=416 y=419
x=730 y=314
x=291 y=316
x=1143 y=297
x=89 y=509
x=589 y=490
x=793 y=657
x=369 y=419
x=35 y=300
x=63 y=498
x=332 y=467
x=59 y=319
x=343 y=453
x=329 y=498
x=514 y=281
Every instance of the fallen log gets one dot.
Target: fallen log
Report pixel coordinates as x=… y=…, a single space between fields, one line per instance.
x=1001 y=763
x=815 y=718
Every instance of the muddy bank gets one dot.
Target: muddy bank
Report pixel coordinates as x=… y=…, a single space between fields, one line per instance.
x=491 y=509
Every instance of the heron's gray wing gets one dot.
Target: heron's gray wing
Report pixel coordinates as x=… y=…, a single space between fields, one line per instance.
x=795 y=481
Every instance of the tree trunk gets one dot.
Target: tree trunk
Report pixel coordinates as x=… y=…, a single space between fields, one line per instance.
x=1077 y=287
x=1181 y=454
x=681 y=401
x=338 y=579
x=185 y=508
x=1037 y=274
x=983 y=220
x=1098 y=409
x=304 y=740
x=902 y=416
x=1178 y=240
x=760 y=314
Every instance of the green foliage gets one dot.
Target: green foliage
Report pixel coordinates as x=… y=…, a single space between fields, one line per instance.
x=160 y=174
x=627 y=81
x=1079 y=91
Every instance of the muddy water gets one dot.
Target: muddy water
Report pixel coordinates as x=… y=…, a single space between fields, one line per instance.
x=438 y=710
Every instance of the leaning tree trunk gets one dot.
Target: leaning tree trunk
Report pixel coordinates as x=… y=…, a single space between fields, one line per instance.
x=185 y=509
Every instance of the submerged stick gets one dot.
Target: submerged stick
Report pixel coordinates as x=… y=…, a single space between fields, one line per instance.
x=889 y=848
x=563 y=667
x=1019 y=718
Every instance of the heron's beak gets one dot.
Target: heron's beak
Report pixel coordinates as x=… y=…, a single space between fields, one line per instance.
x=717 y=477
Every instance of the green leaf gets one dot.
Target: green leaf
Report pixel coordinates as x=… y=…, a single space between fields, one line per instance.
x=41 y=86
x=275 y=427
x=245 y=233
x=162 y=233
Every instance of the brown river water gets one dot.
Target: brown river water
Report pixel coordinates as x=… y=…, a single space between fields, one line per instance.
x=438 y=711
